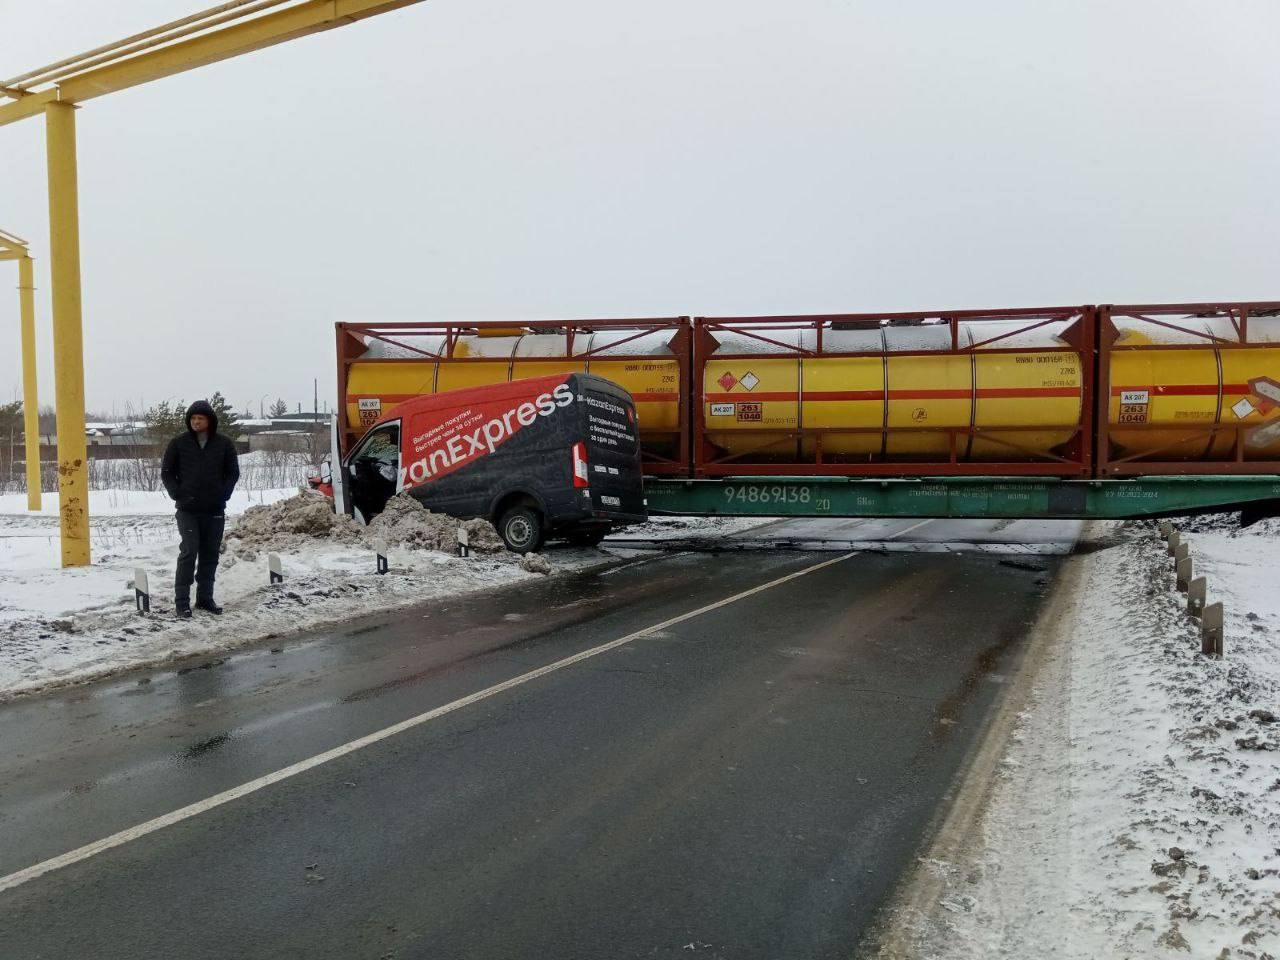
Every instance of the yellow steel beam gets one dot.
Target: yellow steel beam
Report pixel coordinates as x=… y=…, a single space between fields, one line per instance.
x=11 y=246
x=68 y=348
x=31 y=106
x=30 y=407
x=232 y=40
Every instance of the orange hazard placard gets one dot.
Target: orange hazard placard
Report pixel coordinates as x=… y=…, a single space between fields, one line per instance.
x=370 y=410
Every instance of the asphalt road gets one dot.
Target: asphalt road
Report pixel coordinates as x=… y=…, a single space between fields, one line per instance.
x=746 y=782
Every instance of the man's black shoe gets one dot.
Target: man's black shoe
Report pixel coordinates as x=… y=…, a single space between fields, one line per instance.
x=209 y=607
x=183 y=609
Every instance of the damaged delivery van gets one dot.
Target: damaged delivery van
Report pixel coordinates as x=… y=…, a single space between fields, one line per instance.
x=552 y=456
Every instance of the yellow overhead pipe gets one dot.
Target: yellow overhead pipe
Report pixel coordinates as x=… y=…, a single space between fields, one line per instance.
x=228 y=30
x=14 y=248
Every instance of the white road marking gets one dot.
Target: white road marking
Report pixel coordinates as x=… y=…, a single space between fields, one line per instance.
x=914 y=526
x=235 y=793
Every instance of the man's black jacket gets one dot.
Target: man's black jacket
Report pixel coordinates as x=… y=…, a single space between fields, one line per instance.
x=200 y=479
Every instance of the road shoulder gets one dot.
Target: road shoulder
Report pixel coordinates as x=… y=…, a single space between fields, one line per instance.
x=917 y=918
x=1123 y=802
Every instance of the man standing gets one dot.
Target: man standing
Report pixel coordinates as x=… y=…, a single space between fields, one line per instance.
x=200 y=469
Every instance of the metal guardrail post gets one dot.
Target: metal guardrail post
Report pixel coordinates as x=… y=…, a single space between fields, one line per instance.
x=1182 y=571
x=1197 y=591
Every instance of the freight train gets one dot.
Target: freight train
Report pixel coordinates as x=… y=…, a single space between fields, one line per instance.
x=1094 y=391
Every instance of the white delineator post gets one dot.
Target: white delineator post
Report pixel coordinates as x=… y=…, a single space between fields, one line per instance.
x=141 y=590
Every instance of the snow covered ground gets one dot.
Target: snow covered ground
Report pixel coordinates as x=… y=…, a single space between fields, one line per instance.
x=118 y=502
x=1135 y=811
x=62 y=626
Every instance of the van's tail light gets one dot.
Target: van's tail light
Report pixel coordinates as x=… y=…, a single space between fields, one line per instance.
x=579 y=465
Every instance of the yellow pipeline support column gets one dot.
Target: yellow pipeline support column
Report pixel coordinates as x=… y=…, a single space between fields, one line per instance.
x=30 y=409
x=68 y=338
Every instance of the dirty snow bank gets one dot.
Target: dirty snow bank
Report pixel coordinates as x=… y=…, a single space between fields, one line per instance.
x=1229 y=524
x=308 y=517
x=61 y=626
x=1136 y=812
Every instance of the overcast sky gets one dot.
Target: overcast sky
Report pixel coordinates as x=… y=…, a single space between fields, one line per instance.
x=477 y=159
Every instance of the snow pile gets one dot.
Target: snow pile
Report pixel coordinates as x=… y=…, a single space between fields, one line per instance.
x=1137 y=810
x=535 y=563
x=289 y=524
x=301 y=521
x=406 y=522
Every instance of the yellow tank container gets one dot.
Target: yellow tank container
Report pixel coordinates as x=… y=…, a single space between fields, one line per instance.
x=902 y=398
x=389 y=372
x=1185 y=403
x=376 y=388
x=1040 y=391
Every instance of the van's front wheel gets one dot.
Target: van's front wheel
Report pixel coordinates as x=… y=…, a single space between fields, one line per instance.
x=522 y=529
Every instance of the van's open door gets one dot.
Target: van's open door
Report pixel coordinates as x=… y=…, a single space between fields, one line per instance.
x=337 y=471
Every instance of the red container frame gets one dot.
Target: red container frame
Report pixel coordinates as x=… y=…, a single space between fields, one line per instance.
x=1109 y=465
x=1077 y=462
x=350 y=347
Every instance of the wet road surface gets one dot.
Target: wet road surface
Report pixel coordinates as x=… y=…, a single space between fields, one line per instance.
x=748 y=782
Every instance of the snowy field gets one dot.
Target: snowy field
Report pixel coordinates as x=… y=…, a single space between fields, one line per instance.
x=1136 y=809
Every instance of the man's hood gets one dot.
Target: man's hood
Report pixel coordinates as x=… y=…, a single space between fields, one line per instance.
x=202 y=406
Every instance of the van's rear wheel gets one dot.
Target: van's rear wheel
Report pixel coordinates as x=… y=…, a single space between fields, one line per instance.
x=522 y=529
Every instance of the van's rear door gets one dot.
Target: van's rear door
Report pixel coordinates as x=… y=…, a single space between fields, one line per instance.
x=613 y=451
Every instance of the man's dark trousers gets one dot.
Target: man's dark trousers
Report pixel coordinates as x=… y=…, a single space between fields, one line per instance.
x=197 y=555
